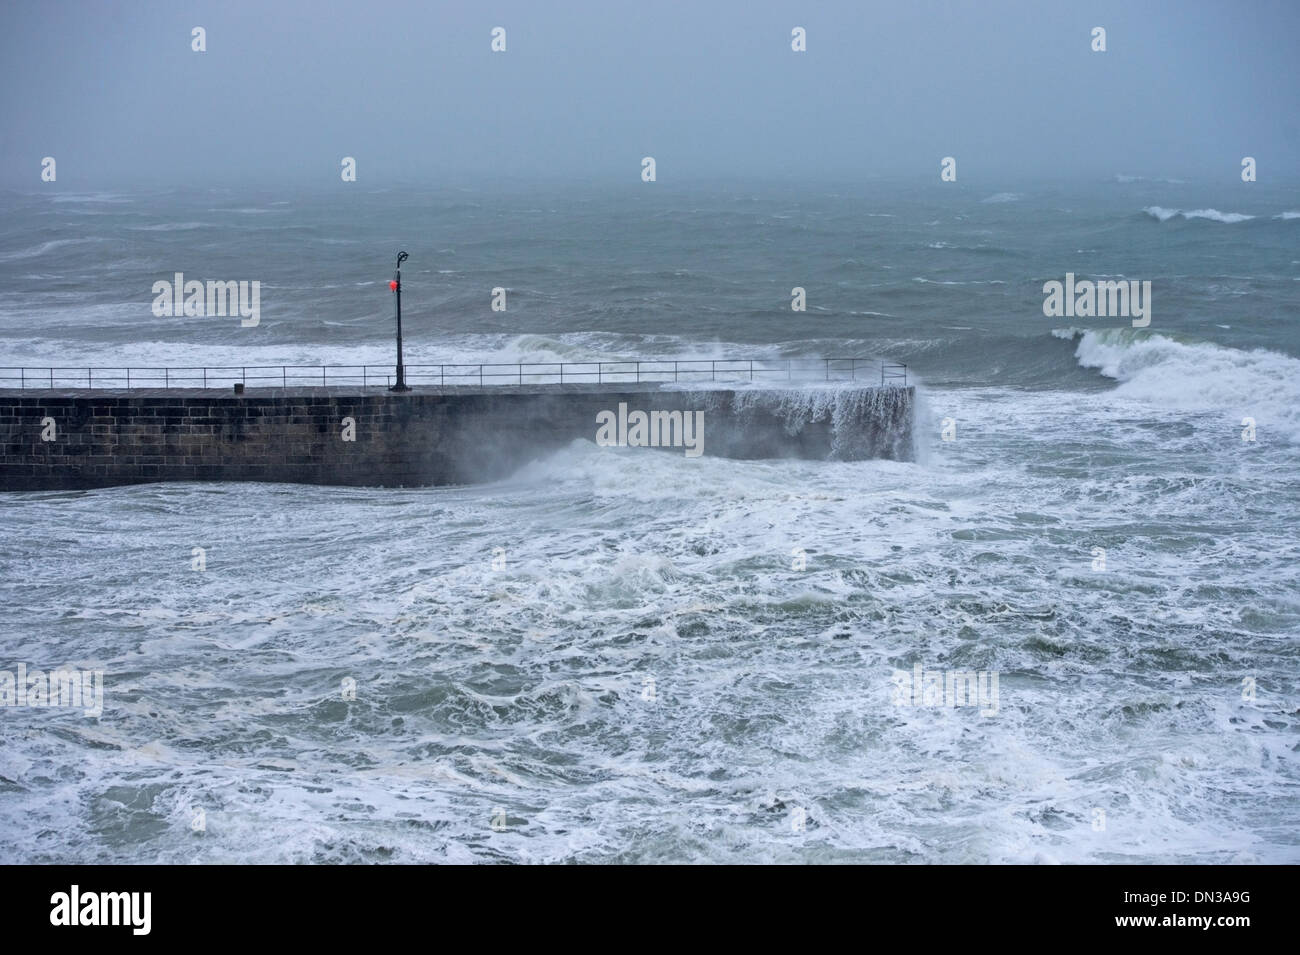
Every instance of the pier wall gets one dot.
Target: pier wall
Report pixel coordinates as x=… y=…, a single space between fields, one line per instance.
x=79 y=439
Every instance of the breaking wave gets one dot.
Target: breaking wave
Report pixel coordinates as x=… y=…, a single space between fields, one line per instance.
x=1261 y=384
x=1164 y=215
x=864 y=422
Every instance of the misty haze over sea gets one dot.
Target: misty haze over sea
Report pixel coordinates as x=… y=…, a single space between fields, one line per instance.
x=633 y=656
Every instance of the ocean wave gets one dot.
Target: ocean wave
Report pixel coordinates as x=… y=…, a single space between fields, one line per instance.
x=1191 y=375
x=925 y=281
x=170 y=227
x=510 y=685
x=1170 y=182
x=91 y=197
x=505 y=349
x=999 y=197
x=39 y=250
x=1164 y=215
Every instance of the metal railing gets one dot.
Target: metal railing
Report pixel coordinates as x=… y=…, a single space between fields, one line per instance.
x=381 y=376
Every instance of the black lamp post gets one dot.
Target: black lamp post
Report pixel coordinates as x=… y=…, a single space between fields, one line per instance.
x=397 y=289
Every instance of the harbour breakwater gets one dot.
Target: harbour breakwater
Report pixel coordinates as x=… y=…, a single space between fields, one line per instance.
x=61 y=439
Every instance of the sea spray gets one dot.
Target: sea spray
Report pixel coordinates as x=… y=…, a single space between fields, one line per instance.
x=864 y=422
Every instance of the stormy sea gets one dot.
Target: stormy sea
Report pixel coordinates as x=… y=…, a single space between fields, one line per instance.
x=625 y=655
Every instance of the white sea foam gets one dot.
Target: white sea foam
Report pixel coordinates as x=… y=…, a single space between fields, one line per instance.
x=524 y=687
x=926 y=281
x=35 y=251
x=1164 y=215
x=1257 y=383
x=541 y=353
x=1129 y=179
x=97 y=197
x=171 y=227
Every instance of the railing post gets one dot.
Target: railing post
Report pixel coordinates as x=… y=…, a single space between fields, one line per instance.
x=674 y=371
x=22 y=377
x=600 y=372
x=88 y=371
x=205 y=376
x=828 y=369
x=243 y=376
x=751 y=369
x=363 y=377
x=51 y=377
x=166 y=379
x=322 y=375
x=713 y=371
x=520 y=366
x=480 y=376
x=442 y=376
x=128 y=377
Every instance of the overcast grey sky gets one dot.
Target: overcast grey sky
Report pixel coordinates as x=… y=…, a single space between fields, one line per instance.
x=286 y=89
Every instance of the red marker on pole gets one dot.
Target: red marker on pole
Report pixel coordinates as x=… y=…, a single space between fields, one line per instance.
x=396 y=286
